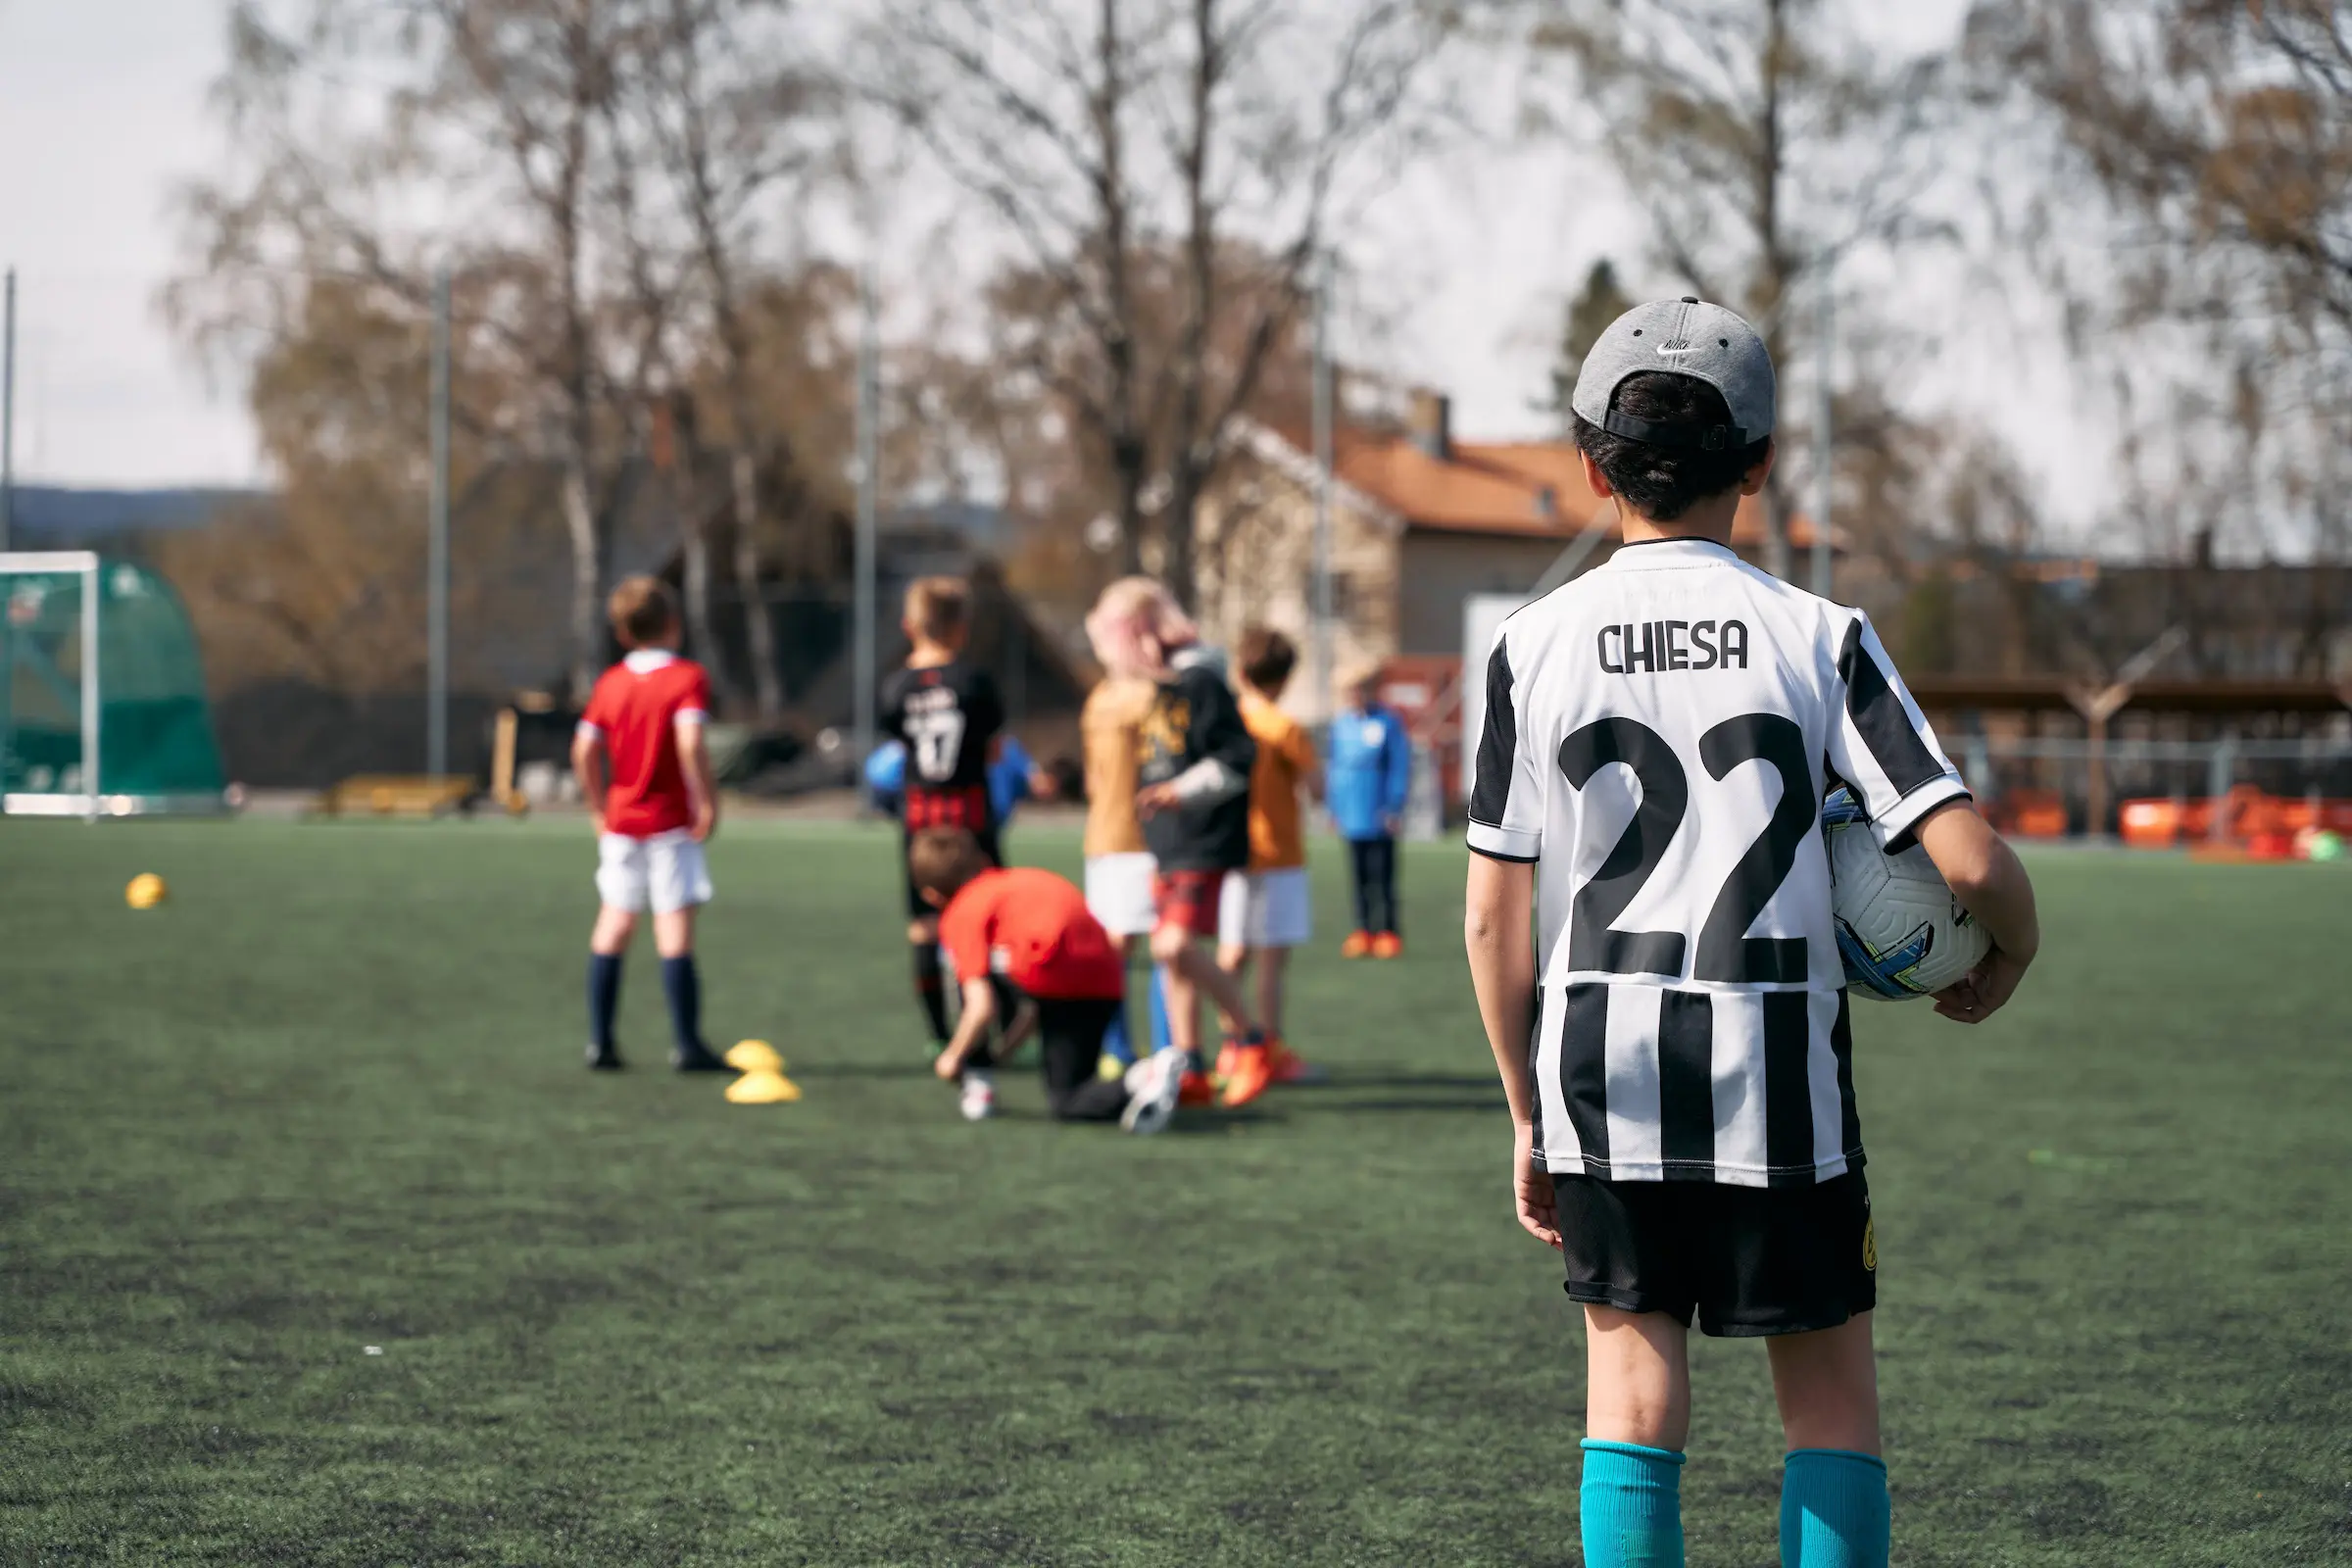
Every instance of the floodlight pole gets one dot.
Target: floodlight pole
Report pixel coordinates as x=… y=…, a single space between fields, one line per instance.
x=869 y=419
x=1825 y=447
x=8 y=411
x=436 y=570
x=1323 y=416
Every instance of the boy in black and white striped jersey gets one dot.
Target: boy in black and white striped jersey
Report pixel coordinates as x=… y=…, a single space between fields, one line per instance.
x=1659 y=736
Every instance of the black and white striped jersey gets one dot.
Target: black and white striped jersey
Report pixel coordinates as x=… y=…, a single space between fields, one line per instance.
x=1659 y=735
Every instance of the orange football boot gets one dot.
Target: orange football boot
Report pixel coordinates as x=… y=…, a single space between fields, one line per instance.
x=1287 y=1066
x=1226 y=1060
x=1251 y=1074
x=1388 y=945
x=1196 y=1091
x=1358 y=944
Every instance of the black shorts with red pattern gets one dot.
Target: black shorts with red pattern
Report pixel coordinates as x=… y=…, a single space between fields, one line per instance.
x=1188 y=899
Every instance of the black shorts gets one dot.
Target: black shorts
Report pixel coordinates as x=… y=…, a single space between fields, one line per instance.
x=917 y=906
x=1746 y=1260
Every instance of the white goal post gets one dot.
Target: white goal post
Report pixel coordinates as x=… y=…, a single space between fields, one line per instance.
x=86 y=799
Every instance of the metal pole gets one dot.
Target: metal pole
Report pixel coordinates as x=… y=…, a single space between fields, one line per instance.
x=92 y=779
x=436 y=571
x=8 y=412
x=869 y=419
x=1323 y=417
x=1825 y=449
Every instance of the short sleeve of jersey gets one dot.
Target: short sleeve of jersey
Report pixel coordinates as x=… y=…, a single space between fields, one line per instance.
x=984 y=709
x=1506 y=797
x=1882 y=745
x=694 y=698
x=598 y=716
x=963 y=932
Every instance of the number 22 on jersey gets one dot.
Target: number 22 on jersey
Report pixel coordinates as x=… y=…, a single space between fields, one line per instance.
x=1725 y=951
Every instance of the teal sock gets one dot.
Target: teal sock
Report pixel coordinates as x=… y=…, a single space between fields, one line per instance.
x=1834 y=1510
x=1632 y=1503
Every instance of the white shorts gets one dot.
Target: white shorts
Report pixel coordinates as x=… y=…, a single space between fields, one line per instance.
x=1119 y=893
x=664 y=873
x=1267 y=910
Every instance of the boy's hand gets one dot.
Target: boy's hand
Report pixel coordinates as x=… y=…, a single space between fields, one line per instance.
x=1392 y=824
x=1985 y=990
x=705 y=821
x=1155 y=799
x=1539 y=1204
x=948 y=1064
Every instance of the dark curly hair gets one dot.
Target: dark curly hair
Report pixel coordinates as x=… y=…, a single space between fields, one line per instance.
x=1663 y=482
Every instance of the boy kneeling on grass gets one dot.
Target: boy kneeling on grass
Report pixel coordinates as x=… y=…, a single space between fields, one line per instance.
x=1024 y=946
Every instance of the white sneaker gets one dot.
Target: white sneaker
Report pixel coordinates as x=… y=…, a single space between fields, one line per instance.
x=1157 y=1082
x=1137 y=1074
x=979 y=1097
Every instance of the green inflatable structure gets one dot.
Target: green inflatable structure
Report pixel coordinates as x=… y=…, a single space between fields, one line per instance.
x=98 y=664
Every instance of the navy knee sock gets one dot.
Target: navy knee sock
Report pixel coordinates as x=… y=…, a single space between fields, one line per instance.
x=684 y=989
x=1834 y=1510
x=1631 y=1506
x=604 y=998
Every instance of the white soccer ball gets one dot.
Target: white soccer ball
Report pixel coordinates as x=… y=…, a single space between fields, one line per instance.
x=1900 y=930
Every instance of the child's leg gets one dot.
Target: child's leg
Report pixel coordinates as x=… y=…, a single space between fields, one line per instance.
x=1271 y=963
x=1637 y=1419
x=606 y=942
x=1193 y=971
x=1359 y=872
x=1833 y=1505
x=930 y=980
x=682 y=984
x=1381 y=868
x=1070 y=1043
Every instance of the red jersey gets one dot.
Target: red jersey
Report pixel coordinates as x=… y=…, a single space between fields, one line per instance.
x=635 y=711
x=1033 y=928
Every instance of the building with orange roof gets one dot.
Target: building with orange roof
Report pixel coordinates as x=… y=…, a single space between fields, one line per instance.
x=1420 y=523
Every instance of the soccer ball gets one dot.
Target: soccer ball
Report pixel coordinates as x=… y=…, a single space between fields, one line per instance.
x=1900 y=932
x=145 y=892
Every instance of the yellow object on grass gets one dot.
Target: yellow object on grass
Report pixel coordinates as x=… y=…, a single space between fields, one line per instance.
x=753 y=1055
x=762 y=1089
x=145 y=892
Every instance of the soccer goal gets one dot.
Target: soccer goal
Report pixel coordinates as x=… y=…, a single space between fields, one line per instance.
x=102 y=702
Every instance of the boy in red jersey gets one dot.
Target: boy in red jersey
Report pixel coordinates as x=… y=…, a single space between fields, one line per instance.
x=644 y=772
x=1024 y=944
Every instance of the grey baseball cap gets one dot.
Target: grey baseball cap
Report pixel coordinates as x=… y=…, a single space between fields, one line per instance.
x=1681 y=337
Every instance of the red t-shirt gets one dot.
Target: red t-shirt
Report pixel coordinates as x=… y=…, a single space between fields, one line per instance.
x=1033 y=928
x=635 y=712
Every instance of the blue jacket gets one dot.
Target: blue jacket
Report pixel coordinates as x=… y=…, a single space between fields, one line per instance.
x=1368 y=766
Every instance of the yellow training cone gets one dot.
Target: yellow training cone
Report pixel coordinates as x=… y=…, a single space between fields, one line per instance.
x=762 y=1089
x=753 y=1055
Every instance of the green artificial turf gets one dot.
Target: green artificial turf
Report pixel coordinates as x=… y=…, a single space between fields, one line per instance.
x=329 y=1097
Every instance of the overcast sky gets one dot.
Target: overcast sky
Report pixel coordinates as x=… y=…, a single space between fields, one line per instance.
x=103 y=112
